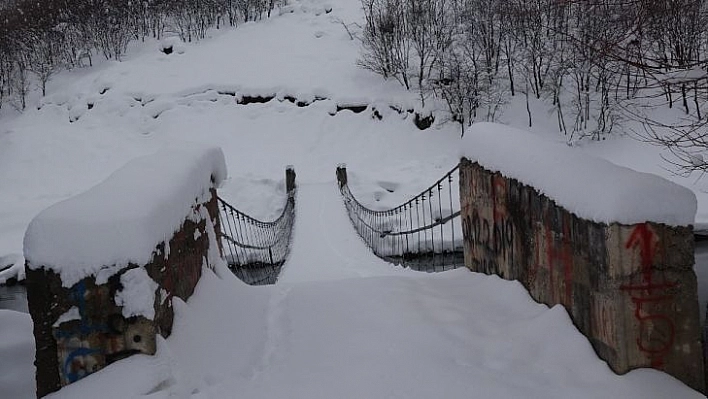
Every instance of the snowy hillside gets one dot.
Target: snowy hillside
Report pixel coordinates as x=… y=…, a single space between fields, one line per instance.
x=340 y=323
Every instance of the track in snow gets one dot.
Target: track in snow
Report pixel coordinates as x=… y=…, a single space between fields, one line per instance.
x=325 y=245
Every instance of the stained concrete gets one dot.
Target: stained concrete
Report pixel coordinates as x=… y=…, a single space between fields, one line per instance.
x=630 y=289
x=70 y=350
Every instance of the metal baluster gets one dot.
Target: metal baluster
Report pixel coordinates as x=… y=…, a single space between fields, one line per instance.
x=442 y=228
x=432 y=219
x=227 y=217
x=417 y=212
x=452 y=220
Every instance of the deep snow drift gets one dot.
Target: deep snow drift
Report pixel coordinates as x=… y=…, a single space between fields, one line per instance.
x=323 y=331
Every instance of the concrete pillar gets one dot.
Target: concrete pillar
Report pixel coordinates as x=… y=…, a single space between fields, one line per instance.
x=80 y=329
x=630 y=289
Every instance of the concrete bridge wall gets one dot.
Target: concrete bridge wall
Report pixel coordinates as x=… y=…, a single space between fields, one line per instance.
x=630 y=289
x=88 y=315
x=101 y=334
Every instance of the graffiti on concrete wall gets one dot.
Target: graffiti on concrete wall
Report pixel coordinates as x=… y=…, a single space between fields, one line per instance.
x=493 y=237
x=489 y=231
x=649 y=294
x=559 y=259
x=100 y=335
x=79 y=356
x=604 y=323
x=633 y=299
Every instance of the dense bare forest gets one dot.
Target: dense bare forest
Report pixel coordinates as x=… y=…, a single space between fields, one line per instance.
x=40 y=38
x=594 y=61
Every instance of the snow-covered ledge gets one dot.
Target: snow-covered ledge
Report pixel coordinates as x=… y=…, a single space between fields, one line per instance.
x=102 y=267
x=612 y=245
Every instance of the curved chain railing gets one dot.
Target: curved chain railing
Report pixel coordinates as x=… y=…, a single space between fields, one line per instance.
x=255 y=250
x=424 y=233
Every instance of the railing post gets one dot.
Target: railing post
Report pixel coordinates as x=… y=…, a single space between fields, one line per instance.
x=342 y=175
x=289 y=179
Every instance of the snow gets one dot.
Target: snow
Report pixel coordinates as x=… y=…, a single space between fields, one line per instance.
x=145 y=374
x=321 y=222
x=137 y=297
x=589 y=187
x=16 y=355
x=173 y=43
x=455 y=334
x=12 y=266
x=123 y=219
x=339 y=323
x=685 y=76
x=71 y=314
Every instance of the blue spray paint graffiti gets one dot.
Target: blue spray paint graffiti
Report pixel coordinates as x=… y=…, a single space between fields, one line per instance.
x=72 y=373
x=73 y=339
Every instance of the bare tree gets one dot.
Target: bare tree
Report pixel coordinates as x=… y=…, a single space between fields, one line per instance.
x=386 y=49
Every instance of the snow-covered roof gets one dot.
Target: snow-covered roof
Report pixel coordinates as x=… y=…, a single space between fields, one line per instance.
x=592 y=188
x=124 y=218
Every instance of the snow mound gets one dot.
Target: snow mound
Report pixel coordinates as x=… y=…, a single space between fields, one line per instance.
x=12 y=266
x=17 y=349
x=137 y=298
x=171 y=45
x=591 y=188
x=123 y=219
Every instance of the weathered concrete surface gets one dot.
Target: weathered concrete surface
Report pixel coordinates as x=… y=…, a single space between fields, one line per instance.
x=70 y=350
x=630 y=289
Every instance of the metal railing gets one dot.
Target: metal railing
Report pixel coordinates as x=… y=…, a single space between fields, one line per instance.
x=255 y=250
x=424 y=234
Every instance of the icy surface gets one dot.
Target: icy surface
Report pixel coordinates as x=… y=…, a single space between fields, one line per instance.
x=138 y=294
x=592 y=188
x=122 y=219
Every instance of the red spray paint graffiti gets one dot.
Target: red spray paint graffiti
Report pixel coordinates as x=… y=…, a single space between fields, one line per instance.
x=657 y=329
x=557 y=253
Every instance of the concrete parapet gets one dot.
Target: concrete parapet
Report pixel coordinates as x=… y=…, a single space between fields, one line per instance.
x=103 y=267
x=80 y=329
x=630 y=289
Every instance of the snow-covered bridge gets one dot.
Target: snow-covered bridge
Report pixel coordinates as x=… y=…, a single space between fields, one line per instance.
x=321 y=331
x=106 y=278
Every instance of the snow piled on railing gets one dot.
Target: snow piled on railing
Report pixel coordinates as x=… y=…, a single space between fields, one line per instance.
x=123 y=219
x=12 y=267
x=591 y=188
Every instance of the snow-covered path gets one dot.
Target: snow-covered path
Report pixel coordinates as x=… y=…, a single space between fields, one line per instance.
x=448 y=335
x=321 y=223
